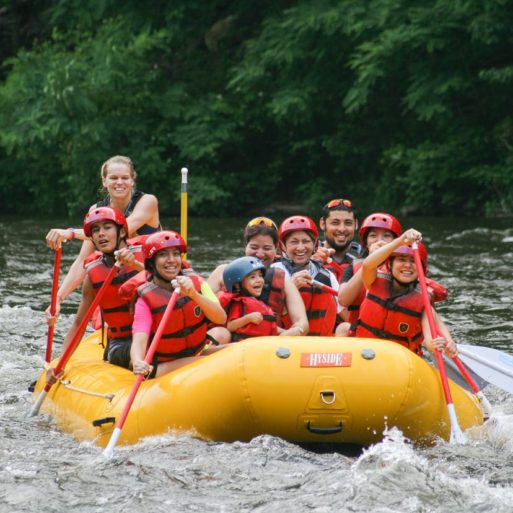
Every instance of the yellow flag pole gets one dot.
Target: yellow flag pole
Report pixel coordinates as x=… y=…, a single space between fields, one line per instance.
x=183 y=211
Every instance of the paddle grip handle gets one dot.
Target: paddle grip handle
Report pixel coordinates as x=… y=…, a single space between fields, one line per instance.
x=184 y=207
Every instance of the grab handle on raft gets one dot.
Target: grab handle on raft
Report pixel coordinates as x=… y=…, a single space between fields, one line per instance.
x=328 y=397
x=105 y=420
x=324 y=430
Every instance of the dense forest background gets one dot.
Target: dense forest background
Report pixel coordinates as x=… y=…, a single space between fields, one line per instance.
x=400 y=105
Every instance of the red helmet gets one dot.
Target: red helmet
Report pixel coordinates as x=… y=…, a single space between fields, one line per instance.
x=161 y=240
x=104 y=214
x=379 y=220
x=408 y=250
x=296 y=223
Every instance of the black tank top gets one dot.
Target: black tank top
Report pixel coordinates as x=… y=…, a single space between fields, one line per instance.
x=136 y=196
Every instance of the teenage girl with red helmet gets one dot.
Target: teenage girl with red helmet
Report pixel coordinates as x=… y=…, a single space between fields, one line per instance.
x=107 y=228
x=377 y=229
x=185 y=334
x=393 y=307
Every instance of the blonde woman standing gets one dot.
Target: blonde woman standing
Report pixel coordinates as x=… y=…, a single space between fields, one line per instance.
x=118 y=177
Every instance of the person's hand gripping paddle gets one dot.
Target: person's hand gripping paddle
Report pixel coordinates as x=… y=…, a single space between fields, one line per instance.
x=109 y=450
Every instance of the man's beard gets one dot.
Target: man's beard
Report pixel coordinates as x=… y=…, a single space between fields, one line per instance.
x=337 y=247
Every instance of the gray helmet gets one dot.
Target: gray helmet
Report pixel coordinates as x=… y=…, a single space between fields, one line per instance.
x=237 y=270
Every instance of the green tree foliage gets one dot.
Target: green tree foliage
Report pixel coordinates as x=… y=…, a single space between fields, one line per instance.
x=397 y=104
x=71 y=102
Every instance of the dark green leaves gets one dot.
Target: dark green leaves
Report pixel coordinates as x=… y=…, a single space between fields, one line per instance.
x=397 y=104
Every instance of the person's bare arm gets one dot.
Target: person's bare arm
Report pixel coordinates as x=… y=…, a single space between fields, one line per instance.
x=74 y=277
x=253 y=317
x=57 y=236
x=437 y=341
x=210 y=307
x=296 y=310
x=215 y=280
x=125 y=257
x=85 y=303
x=348 y=291
x=374 y=260
x=146 y=211
x=138 y=352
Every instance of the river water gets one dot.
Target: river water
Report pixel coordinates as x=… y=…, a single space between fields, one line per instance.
x=42 y=469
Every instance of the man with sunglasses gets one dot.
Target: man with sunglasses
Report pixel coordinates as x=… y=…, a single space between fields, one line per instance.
x=339 y=224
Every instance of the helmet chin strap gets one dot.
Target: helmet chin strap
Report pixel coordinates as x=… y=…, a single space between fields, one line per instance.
x=151 y=267
x=118 y=241
x=404 y=283
x=244 y=292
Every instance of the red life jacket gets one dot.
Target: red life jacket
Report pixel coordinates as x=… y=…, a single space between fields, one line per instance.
x=236 y=306
x=354 y=308
x=355 y=252
x=273 y=294
x=138 y=240
x=128 y=291
x=117 y=313
x=436 y=290
x=185 y=333
x=336 y=268
x=394 y=318
x=321 y=307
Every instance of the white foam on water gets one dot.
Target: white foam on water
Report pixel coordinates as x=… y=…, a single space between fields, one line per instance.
x=44 y=469
x=395 y=476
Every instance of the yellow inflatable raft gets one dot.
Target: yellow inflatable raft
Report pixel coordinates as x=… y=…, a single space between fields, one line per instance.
x=336 y=390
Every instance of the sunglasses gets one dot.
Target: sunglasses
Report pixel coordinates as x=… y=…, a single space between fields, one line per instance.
x=337 y=202
x=262 y=220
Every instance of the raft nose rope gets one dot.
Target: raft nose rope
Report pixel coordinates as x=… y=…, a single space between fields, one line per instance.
x=67 y=383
